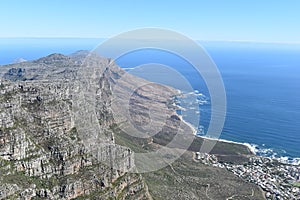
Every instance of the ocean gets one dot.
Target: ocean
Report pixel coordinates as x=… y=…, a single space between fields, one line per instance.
x=262 y=83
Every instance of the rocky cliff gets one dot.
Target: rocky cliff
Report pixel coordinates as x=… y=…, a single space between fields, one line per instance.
x=65 y=133
x=46 y=147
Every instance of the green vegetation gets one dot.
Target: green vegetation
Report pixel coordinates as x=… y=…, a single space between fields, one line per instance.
x=185 y=177
x=21 y=179
x=2 y=86
x=4 y=163
x=7 y=97
x=296 y=184
x=52 y=102
x=123 y=139
x=34 y=106
x=74 y=134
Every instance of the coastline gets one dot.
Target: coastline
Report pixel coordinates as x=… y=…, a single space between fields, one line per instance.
x=189 y=125
x=252 y=148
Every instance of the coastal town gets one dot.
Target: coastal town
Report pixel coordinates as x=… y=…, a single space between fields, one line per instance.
x=279 y=181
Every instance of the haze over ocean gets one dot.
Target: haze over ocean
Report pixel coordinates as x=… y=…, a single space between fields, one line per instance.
x=262 y=83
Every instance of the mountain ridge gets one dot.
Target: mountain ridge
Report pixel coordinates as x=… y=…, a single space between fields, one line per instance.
x=50 y=147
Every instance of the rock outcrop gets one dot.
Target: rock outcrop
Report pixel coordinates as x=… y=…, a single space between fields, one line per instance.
x=48 y=149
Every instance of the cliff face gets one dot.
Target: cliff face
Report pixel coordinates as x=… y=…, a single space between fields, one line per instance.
x=48 y=149
x=65 y=134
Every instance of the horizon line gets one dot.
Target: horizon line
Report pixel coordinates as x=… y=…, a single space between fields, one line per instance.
x=198 y=40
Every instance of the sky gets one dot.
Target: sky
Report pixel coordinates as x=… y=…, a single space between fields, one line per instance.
x=225 y=20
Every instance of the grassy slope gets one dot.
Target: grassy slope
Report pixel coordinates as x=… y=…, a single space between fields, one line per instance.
x=187 y=179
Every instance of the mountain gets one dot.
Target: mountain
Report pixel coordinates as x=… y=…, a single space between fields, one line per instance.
x=19 y=60
x=65 y=134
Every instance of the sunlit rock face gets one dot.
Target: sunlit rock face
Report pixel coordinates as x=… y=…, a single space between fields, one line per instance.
x=53 y=146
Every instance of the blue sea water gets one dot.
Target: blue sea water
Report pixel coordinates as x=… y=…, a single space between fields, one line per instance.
x=262 y=83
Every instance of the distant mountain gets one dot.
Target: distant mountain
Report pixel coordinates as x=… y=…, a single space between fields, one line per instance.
x=19 y=60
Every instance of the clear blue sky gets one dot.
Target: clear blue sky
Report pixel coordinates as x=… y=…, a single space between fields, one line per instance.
x=247 y=20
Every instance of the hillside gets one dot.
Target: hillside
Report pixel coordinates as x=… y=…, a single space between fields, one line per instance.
x=62 y=136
